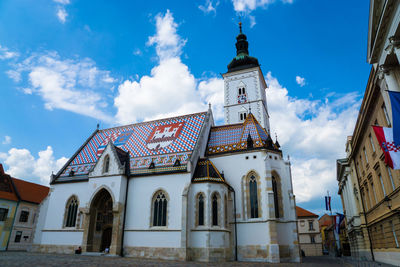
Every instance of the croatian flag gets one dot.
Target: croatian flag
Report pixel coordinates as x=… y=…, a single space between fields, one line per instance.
x=389 y=147
x=389 y=138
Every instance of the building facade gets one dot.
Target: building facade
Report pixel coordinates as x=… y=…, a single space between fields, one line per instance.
x=349 y=191
x=19 y=209
x=379 y=185
x=180 y=188
x=8 y=207
x=310 y=239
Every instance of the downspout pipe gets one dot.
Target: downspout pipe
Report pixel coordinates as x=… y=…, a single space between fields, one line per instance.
x=234 y=216
x=365 y=216
x=126 y=204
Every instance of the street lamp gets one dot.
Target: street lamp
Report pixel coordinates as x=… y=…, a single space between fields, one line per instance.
x=388 y=202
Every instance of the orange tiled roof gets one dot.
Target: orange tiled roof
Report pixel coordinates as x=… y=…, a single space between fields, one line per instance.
x=30 y=192
x=7 y=190
x=304 y=213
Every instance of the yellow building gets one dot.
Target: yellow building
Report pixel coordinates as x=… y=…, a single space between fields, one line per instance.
x=8 y=207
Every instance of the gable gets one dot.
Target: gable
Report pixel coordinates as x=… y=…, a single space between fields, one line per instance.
x=161 y=142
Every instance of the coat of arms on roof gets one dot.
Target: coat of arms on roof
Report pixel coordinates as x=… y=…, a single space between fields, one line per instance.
x=164 y=135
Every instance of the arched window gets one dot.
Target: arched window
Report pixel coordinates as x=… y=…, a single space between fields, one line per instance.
x=160 y=209
x=106 y=165
x=71 y=211
x=276 y=197
x=200 y=205
x=253 y=197
x=214 y=200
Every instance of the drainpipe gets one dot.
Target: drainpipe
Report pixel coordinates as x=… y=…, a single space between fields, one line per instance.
x=365 y=216
x=123 y=221
x=234 y=216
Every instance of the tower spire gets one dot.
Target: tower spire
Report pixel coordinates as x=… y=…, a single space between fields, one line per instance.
x=240 y=26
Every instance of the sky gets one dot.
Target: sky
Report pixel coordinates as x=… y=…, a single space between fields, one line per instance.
x=68 y=65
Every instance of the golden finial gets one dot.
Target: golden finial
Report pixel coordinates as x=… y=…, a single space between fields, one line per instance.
x=240 y=26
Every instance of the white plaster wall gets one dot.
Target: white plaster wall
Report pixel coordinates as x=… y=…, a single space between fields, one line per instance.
x=62 y=238
x=253 y=233
x=138 y=214
x=254 y=90
x=41 y=218
x=208 y=235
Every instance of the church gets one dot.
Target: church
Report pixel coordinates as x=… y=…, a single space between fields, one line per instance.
x=180 y=188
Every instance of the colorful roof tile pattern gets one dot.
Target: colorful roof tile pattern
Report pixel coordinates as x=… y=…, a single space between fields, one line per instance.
x=233 y=137
x=206 y=172
x=161 y=142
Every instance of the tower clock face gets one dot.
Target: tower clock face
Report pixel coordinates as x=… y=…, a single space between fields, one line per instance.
x=242 y=98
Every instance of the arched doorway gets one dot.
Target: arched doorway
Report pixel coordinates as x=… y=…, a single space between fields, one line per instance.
x=101 y=222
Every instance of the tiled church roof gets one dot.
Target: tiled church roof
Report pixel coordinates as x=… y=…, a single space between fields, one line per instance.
x=161 y=142
x=234 y=137
x=206 y=172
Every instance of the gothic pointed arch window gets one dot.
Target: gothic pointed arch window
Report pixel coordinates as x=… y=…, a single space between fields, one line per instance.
x=242 y=95
x=106 y=164
x=215 y=203
x=276 y=188
x=253 y=197
x=160 y=206
x=200 y=209
x=226 y=211
x=252 y=200
x=71 y=211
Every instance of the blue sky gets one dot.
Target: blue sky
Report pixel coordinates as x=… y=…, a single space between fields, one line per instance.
x=66 y=65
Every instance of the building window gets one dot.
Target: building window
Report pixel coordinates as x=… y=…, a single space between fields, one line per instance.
x=386 y=115
x=383 y=186
x=310 y=225
x=391 y=177
x=242 y=96
x=160 y=209
x=312 y=238
x=200 y=203
x=372 y=143
x=358 y=168
x=366 y=157
x=373 y=190
x=214 y=200
x=71 y=210
x=106 y=165
x=23 y=217
x=253 y=197
x=276 y=198
x=365 y=201
x=18 y=235
x=242 y=116
x=394 y=234
x=3 y=214
x=369 y=199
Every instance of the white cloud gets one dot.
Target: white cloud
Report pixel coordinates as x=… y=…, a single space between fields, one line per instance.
x=137 y=52
x=5 y=53
x=170 y=89
x=7 y=140
x=168 y=42
x=209 y=7
x=313 y=133
x=72 y=85
x=252 y=21
x=14 y=75
x=63 y=2
x=62 y=14
x=300 y=81
x=21 y=164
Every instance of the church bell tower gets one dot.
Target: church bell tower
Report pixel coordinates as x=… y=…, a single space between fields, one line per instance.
x=244 y=86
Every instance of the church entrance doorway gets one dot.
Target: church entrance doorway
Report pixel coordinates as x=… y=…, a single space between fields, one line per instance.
x=101 y=222
x=106 y=239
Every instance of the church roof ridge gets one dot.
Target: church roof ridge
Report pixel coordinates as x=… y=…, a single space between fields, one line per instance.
x=153 y=121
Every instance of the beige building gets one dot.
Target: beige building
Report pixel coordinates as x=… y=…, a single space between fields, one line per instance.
x=309 y=233
x=30 y=196
x=355 y=226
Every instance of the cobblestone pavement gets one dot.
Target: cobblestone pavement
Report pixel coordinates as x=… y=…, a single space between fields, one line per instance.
x=22 y=259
